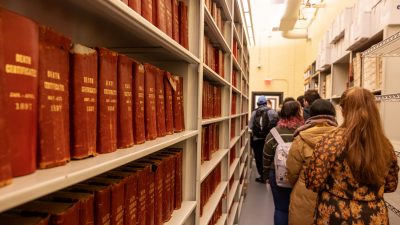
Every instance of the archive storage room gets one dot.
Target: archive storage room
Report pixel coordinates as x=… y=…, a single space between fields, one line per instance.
x=199 y=112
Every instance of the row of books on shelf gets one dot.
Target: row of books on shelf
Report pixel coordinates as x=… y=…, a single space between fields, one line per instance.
x=233 y=127
x=232 y=155
x=235 y=49
x=209 y=141
x=213 y=57
x=208 y=186
x=235 y=98
x=217 y=213
x=145 y=191
x=170 y=16
x=235 y=78
x=216 y=12
x=61 y=101
x=366 y=72
x=211 y=99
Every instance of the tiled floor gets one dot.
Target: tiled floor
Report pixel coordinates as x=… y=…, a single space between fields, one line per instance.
x=258 y=206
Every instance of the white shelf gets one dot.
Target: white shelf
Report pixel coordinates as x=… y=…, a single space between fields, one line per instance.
x=242 y=132
x=231 y=218
x=388 y=47
x=222 y=219
x=225 y=9
x=232 y=191
x=210 y=74
x=42 y=182
x=393 y=202
x=241 y=170
x=233 y=141
x=245 y=96
x=236 y=36
x=236 y=115
x=236 y=90
x=233 y=167
x=236 y=64
x=212 y=203
x=180 y=216
x=244 y=147
x=214 y=120
x=214 y=33
x=240 y=206
x=208 y=166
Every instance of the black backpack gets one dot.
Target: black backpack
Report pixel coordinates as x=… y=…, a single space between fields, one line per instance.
x=261 y=122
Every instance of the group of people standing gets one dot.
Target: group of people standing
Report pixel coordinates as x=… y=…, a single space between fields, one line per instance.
x=338 y=174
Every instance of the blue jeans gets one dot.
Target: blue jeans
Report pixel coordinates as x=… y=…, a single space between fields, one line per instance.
x=281 y=198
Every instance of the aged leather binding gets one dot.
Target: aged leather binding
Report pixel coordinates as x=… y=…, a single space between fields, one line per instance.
x=125 y=1
x=102 y=201
x=147 y=10
x=144 y=191
x=130 y=180
x=183 y=25
x=5 y=160
x=53 y=148
x=24 y=218
x=61 y=213
x=83 y=67
x=138 y=103
x=168 y=17
x=177 y=101
x=159 y=15
x=150 y=101
x=107 y=118
x=160 y=103
x=85 y=201
x=19 y=73
x=136 y=5
x=178 y=176
x=175 y=20
x=125 y=122
x=169 y=114
x=117 y=197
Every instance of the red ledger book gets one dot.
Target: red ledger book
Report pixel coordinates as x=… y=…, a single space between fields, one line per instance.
x=138 y=103
x=150 y=101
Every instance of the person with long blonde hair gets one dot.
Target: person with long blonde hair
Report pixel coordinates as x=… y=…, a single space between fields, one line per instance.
x=353 y=166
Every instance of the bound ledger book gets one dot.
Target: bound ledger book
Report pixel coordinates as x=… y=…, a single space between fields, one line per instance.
x=53 y=135
x=159 y=15
x=19 y=74
x=138 y=103
x=136 y=5
x=61 y=213
x=150 y=101
x=147 y=10
x=175 y=20
x=160 y=103
x=83 y=67
x=107 y=118
x=183 y=25
x=85 y=203
x=177 y=102
x=168 y=17
x=169 y=114
x=24 y=219
x=125 y=122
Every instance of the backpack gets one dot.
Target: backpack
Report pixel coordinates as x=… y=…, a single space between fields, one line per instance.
x=281 y=155
x=261 y=122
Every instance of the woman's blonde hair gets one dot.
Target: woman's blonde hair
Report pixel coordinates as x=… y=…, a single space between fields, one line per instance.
x=368 y=150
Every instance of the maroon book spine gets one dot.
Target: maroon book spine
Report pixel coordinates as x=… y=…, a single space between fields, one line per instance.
x=107 y=119
x=125 y=122
x=136 y=5
x=20 y=86
x=183 y=25
x=102 y=201
x=138 y=103
x=160 y=103
x=53 y=98
x=147 y=10
x=125 y=1
x=159 y=11
x=83 y=101
x=25 y=219
x=177 y=100
x=150 y=101
x=169 y=114
x=175 y=20
x=168 y=15
x=5 y=160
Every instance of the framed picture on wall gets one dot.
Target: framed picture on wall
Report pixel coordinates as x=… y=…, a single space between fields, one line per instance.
x=274 y=98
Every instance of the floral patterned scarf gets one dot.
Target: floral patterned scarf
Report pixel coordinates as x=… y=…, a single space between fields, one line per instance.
x=292 y=123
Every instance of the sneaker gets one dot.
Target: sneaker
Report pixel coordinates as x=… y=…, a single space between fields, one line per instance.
x=260 y=180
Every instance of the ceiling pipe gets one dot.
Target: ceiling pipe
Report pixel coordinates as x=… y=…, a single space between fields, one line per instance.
x=289 y=20
x=295 y=34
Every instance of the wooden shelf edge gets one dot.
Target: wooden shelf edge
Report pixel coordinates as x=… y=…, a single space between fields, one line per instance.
x=233 y=167
x=214 y=120
x=231 y=218
x=215 y=31
x=212 y=75
x=232 y=191
x=233 y=141
x=222 y=219
x=180 y=216
x=212 y=203
x=208 y=166
x=42 y=182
